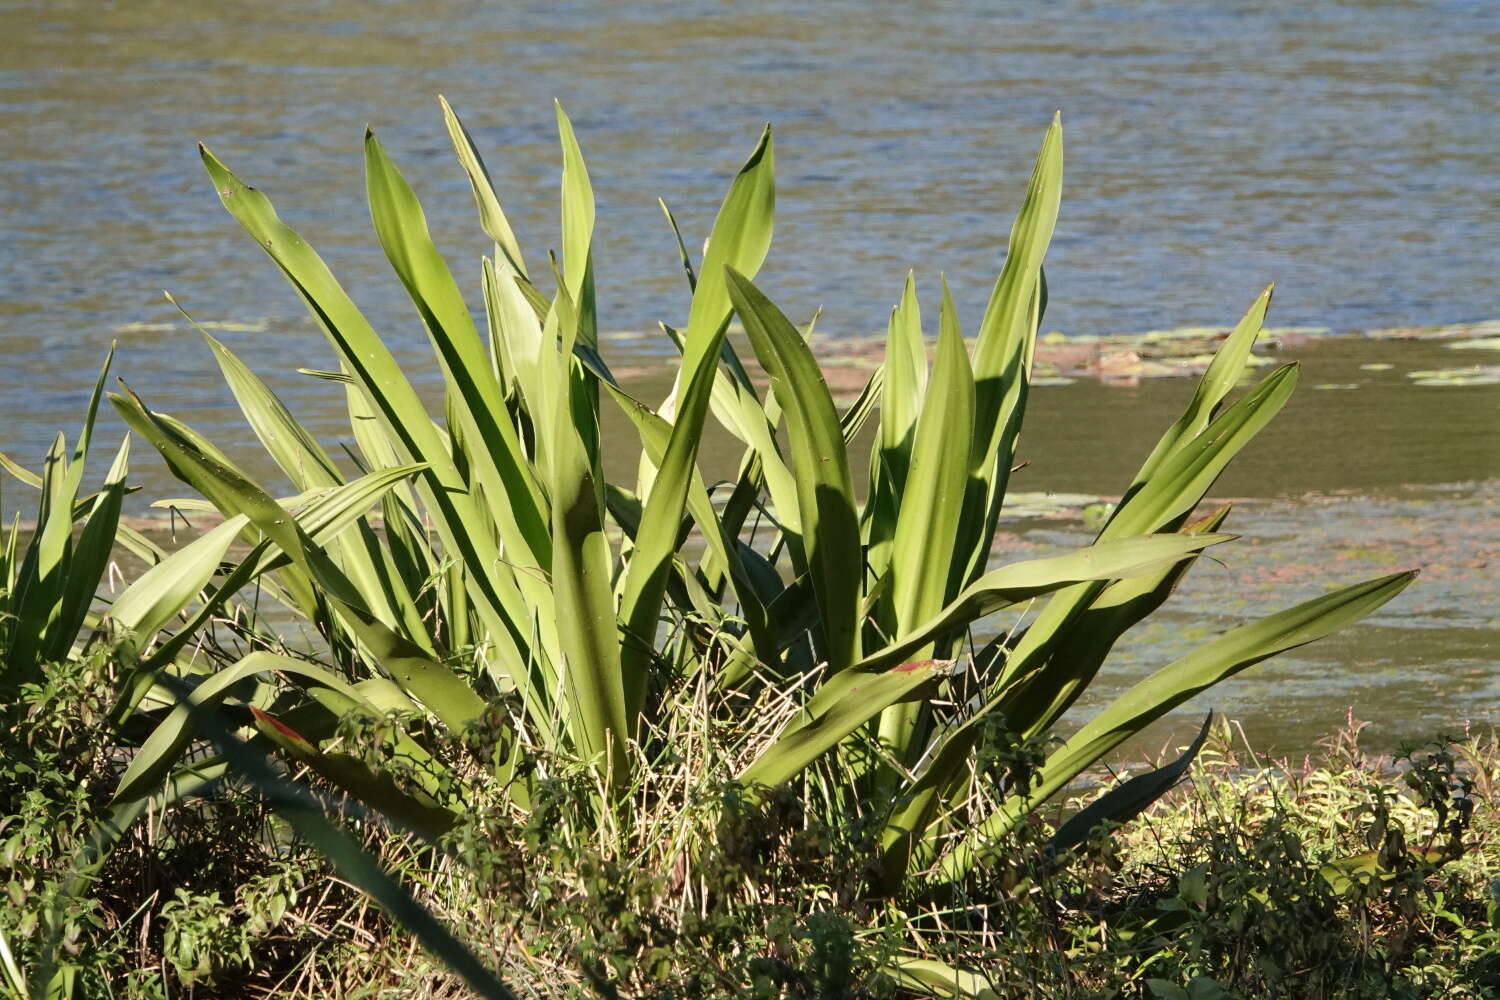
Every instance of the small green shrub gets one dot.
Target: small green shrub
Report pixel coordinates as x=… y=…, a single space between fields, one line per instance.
x=516 y=631
x=1351 y=877
x=198 y=898
x=576 y=607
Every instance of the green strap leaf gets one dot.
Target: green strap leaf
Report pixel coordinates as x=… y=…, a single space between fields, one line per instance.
x=1223 y=374
x=825 y=492
x=932 y=493
x=160 y=593
x=495 y=452
x=937 y=979
x=1180 y=481
x=577 y=231
x=1034 y=577
x=355 y=778
x=42 y=576
x=588 y=629
x=309 y=466
x=901 y=396
x=828 y=720
x=1172 y=685
x=1175 y=488
x=91 y=556
x=297 y=452
x=403 y=420
x=948 y=764
x=682 y=250
x=655 y=434
x=491 y=216
x=1003 y=351
x=1006 y=326
x=740 y=239
x=864 y=406
x=656 y=538
x=161 y=751
x=931 y=503
x=855 y=696
x=435 y=685
x=1129 y=799
x=1080 y=650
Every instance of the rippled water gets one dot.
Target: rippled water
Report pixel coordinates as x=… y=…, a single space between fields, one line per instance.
x=1347 y=150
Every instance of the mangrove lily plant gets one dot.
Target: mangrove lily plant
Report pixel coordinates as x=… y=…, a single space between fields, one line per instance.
x=504 y=578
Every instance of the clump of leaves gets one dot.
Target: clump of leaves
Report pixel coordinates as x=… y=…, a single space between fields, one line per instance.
x=203 y=897
x=1355 y=876
x=507 y=571
x=508 y=590
x=51 y=773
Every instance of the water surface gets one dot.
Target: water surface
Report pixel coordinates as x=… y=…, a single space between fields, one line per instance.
x=1345 y=149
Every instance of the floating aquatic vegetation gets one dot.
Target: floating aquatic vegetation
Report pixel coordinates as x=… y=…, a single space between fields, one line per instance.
x=1449 y=331
x=224 y=326
x=1025 y=506
x=1377 y=366
x=1468 y=375
x=145 y=327
x=1476 y=344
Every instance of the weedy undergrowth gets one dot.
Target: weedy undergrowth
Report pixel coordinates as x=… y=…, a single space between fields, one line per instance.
x=1344 y=875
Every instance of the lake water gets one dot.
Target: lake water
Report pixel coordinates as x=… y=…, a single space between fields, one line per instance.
x=1347 y=150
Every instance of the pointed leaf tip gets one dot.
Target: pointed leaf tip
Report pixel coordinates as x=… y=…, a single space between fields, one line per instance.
x=286 y=731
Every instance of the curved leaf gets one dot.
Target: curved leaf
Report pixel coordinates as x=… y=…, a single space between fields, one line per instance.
x=825 y=491
x=160 y=752
x=444 y=692
x=1034 y=577
x=817 y=729
x=1174 y=684
x=1129 y=799
x=491 y=216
